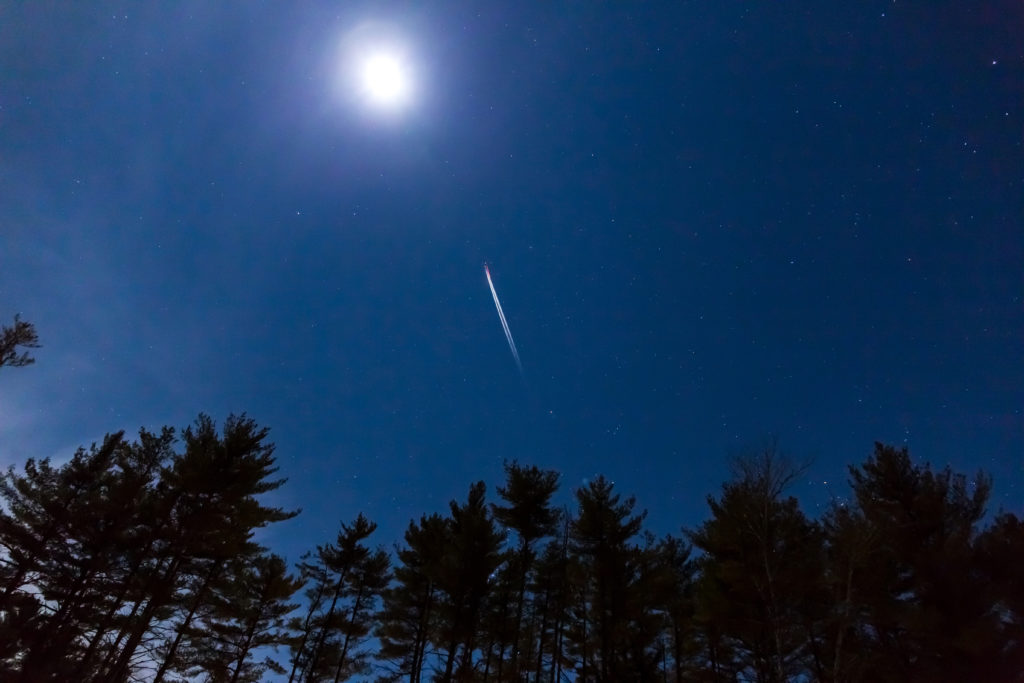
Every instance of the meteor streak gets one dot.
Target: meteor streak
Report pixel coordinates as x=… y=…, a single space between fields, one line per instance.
x=504 y=323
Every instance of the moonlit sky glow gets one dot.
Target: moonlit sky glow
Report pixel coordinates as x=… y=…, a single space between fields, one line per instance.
x=710 y=223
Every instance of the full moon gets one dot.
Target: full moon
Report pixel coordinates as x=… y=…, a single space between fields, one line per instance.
x=378 y=70
x=384 y=79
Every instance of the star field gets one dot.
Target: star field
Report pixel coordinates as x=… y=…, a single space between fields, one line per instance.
x=709 y=225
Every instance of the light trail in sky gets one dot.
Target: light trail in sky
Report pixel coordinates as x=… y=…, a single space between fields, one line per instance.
x=504 y=323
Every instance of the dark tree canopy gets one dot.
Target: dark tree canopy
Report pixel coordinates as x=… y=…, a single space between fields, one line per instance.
x=136 y=559
x=116 y=556
x=761 y=555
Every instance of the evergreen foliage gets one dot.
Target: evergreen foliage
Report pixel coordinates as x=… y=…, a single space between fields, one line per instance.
x=21 y=335
x=527 y=492
x=347 y=578
x=112 y=559
x=135 y=560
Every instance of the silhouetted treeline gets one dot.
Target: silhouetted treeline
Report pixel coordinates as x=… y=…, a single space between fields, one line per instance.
x=135 y=560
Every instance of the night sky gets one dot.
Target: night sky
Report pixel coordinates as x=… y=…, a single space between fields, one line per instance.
x=710 y=224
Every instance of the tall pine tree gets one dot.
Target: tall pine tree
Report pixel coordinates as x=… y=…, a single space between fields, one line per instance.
x=245 y=616
x=472 y=557
x=211 y=503
x=352 y=577
x=923 y=612
x=528 y=512
x=761 y=554
x=602 y=542
x=408 y=618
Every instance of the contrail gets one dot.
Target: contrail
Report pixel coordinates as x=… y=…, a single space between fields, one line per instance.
x=504 y=323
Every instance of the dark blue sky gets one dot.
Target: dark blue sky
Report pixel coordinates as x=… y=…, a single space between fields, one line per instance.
x=709 y=223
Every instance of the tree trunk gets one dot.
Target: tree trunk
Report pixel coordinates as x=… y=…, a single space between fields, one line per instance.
x=450 y=664
x=104 y=626
x=313 y=605
x=528 y=646
x=315 y=656
x=677 y=649
x=250 y=633
x=116 y=645
x=543 y=632
x=469 y=644
x=348 y=635
x=523 y=553
x=420 y=644
x=162 y=592
x=556 y=658
x=837 y=657
x=487 y=660
x=200 y=596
